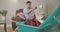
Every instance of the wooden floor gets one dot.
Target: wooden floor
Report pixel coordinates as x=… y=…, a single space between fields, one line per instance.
x=9 y=29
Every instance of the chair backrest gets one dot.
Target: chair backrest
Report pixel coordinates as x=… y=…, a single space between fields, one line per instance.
x=0 y=18
x=50 y=18
x=19 y=10
x=3 y=14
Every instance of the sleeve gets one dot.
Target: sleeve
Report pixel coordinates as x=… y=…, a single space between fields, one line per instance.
x=25 y=13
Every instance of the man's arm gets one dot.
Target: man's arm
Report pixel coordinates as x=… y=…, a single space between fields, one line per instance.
x=32 y=10
x=22 y=17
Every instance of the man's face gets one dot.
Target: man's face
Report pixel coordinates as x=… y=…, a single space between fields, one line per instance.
x=28 y=5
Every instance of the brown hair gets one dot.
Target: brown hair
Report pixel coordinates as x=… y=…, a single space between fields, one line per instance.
x=18 y=11
x=28 y=2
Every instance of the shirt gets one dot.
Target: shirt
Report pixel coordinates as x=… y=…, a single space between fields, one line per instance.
x=28 y=16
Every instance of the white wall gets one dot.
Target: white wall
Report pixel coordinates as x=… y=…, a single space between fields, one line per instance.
x=49 y=5
x=11 y=6
x=52 y=4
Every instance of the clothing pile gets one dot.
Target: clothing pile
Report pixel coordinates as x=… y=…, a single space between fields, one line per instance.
x=33 y=22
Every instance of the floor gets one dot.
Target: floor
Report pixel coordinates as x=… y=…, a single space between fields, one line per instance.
x=59 y=30
x=9 y=28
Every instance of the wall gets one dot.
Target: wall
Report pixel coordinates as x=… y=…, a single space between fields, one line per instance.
x=52 y=4
x=49 y=5
x=11 y=6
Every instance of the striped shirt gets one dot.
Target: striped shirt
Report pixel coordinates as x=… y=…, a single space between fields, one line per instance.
x=30 y=15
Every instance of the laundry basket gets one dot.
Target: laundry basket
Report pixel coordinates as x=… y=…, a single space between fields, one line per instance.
x=57 y=17
x=49 y=25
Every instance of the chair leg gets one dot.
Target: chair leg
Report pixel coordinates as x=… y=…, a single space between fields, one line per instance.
x=13 y=25
x=5 y=27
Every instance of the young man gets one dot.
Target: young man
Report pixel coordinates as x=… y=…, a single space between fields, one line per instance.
x=30 y=14
x=28 y=10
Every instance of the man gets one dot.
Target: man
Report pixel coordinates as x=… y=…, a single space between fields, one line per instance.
x=30 y=15
x=28 y=11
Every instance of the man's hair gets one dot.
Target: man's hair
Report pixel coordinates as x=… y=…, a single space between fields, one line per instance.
x=28 y=2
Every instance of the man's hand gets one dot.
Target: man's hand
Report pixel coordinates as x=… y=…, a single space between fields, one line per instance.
x=32 y=10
